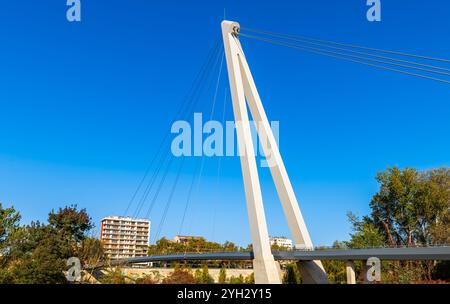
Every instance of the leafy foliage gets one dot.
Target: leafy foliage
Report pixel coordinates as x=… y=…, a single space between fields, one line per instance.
x=222 y=275
x=37 y=253
x=148 y=279
x=194 y=245
x=291 y=274
x=114 y=276
x=411 y=208
x=90 y=251
x=237 y=280
x=71 y=222
x=250 y=279
x=202 y=276
x=365 y=234
x=9 y=221
x=180 y=276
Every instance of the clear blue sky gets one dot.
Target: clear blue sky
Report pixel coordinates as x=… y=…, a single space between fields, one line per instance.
x=83 y=107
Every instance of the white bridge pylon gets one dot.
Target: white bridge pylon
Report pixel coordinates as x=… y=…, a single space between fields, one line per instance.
x=243 y=92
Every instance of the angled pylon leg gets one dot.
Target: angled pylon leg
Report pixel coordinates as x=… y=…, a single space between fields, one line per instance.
x=244 y=92
x=313 y=269
x=264 y=265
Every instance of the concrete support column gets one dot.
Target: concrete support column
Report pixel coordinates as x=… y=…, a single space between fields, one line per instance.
x=312 y=272
x=245 y=96
x=264 y=265
x=350 y=269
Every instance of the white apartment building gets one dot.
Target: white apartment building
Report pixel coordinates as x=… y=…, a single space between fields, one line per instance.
x=125 y=237
x=281 y=242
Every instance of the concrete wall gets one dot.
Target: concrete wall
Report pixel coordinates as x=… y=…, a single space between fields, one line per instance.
x=164 y=272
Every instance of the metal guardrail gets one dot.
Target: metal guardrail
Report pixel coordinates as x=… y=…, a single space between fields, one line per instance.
x=399 y=254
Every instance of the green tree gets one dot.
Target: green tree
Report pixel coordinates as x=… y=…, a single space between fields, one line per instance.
x=411 y=208
x=72 y=222
x=222 y=275
x=203 y=276
x=113 y=276
x=153 y=278
x=335 y=270
x=179 y=276
x=148 y=279
x=9 y=221
x=195 y=245
x=38 y=256
x=292 y=274
x=433 y=207
x=237 y=280
x=91 y=252
x=5 y=276
x=250 y=279
x=229 y=246
x=365 y=234
x=37 y=253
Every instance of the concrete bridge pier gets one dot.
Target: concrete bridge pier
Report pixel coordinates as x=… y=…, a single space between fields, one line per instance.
x=312 y=272
x=267 y=271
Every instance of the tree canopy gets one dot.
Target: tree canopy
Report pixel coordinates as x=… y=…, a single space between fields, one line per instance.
x=9 y=221
x=37 y=253
x=411 y=208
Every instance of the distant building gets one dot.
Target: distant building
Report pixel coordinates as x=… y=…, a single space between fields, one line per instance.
x=185 y=238
x=125 y=237
x=281 y=242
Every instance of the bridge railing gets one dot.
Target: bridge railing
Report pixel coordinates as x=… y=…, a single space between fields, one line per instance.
x=398 y=253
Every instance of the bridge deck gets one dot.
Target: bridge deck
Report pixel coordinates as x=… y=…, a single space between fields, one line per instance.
x=424 y=253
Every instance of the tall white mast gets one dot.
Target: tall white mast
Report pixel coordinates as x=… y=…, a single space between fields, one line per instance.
x=243 y=92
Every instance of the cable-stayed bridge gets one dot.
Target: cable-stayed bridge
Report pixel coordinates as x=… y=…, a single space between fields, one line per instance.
x=245 y=99
x=387 y=254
